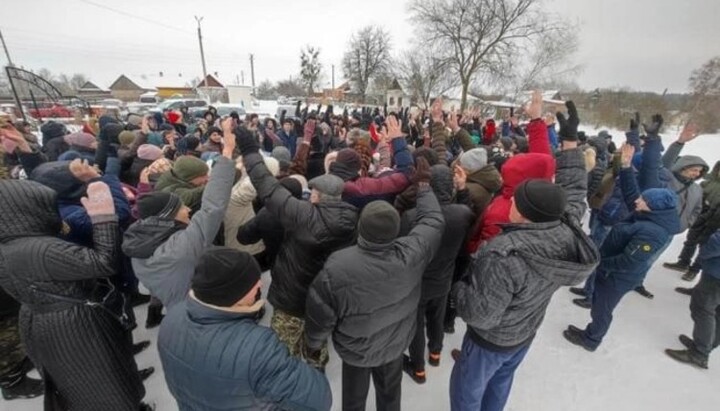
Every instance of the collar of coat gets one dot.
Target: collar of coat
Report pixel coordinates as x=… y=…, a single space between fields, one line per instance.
x=207 y=313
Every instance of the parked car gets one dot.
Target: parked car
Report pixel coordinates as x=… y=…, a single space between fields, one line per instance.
x=149 y=98
x=174 y=104
x=50 y=110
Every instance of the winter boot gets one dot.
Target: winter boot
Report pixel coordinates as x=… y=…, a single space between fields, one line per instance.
x=691 y=357
x=690 y=275
x=583 y=302
x=146 y=407
x=579 y=291
x=137 y=299
x=575 y=336
x=681 y=266
x=137 y=348
x=644 y=292
x=417 y=375
x=15 y=384
x=154 y=316
x=684 y=290
x=434 y=359
x=687 y=342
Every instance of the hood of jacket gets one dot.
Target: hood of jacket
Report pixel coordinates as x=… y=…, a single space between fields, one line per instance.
x=170 y=182
x=144 y=237
x=57 y=176
x=441 y=181
x=524 y=167
x=27 y=209
x=689 y=161
x=339 y=217
x=487 y=177
x=580 y=255
x=669 y=220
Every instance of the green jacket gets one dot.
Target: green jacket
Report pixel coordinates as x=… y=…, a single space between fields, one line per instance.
x=190 y=195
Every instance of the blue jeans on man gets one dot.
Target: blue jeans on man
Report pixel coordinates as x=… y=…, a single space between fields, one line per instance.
x=598 y=234
x=481 y=378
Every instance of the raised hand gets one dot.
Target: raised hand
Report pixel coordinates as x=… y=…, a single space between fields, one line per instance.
x=569 y=126
x=422 y=171
x=635 y=122
x=453 y=121
x=654 y=127
x=83 y=171
x=534 y=108
x=309 y=130
x=689 y=133
x=436 y=111
x=99 y=200
x=394 y=127
x=459 y=178
x=11 y=138
x=627 y=151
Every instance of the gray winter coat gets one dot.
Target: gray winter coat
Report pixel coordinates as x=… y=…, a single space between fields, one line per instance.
x=367 y=295
x=689 y=193
x=509 y=285
x=164 y=255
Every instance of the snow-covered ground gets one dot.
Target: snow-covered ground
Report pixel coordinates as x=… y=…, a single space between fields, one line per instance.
x=629 y=372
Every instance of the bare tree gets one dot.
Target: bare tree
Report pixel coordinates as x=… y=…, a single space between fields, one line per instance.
x=290 y=87
x=479 y=37
x=423 y=74
x=368 y=54
x=266 y=91
x=705 y=101
x=310 y=68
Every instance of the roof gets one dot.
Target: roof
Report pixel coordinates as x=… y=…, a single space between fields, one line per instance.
x=89 y=86
x=211 y=81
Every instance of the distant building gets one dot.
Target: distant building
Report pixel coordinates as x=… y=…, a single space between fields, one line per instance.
x=396 y=97
x=213 y=89
x=90 y=91
x=126 y=89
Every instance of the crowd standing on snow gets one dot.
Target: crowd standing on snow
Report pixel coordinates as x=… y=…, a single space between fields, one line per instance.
x=379 y=229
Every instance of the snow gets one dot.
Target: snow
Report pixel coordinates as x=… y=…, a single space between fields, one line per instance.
x=629 y=372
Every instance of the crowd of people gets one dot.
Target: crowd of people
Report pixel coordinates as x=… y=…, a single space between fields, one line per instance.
x=379 y=229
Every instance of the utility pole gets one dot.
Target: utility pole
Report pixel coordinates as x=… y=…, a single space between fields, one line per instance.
x=7 y=53
x=202 y=52
x=252 y=72
x=242 y=77
x=333 y=77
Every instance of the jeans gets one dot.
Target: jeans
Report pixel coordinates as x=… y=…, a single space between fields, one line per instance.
x=481 y=379
x=705 y=312
x=605 y=298
x=387 y=379
x=432 y=311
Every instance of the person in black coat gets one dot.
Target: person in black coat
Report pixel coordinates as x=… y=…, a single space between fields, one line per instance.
x=313 y=230
x=82 y=351
x=438 y=275
x=367 y=297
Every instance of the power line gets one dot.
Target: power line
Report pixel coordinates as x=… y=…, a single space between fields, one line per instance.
x=126 y=14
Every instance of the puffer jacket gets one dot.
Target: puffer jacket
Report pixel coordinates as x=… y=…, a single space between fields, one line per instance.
x=507 y=290
x=164 y=255
x=266 y=228
x=516 y=170
x=312 y=233
x=458 y=220
x=483 y=184
x=367 y=295
x=689 y=193
x=219 y=361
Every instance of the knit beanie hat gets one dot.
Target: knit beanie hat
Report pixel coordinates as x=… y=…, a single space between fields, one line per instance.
x=155 y=139
x=350 y=159
x=126 y=138
x=149 y=152
x=540 y=201
x=52 y=129
x=159 y=204
x=660 y=199
x=223 y=276
x=379 y=223
x=80 y=139
x=272 y=165
x=187 y=168
x=328 y=184
x=281 y=153
x=507 y=143
x=57 y=175
x=473 y=160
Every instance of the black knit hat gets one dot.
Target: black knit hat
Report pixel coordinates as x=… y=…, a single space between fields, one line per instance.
x=159 y=204
x=540 y=201
x=379 y=222
x=223 y=276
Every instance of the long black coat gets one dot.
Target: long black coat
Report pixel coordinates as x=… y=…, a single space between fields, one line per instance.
x=312 y=233
x=81 y=351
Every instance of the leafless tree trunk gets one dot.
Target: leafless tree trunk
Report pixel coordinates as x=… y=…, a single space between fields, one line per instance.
x=705 y=103
x=423 y=74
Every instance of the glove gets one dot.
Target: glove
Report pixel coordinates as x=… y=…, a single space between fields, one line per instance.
x=635 y=122
x=246 y=141
x=422 y=171
x=99 y=201
x=653 y=129
x=569 y=126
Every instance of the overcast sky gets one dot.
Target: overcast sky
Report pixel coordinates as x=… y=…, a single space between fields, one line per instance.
x=644 y=44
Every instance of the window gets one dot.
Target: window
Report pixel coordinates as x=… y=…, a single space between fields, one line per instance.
x=392 y=101
x=399 y=101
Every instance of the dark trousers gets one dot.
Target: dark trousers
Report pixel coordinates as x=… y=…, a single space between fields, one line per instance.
x=705 y=312
x=481 y=379
x=386 y=378
x=430 y=315
x=606 y=297
x=687 y=253
x=598 y=234
x=462 y=262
